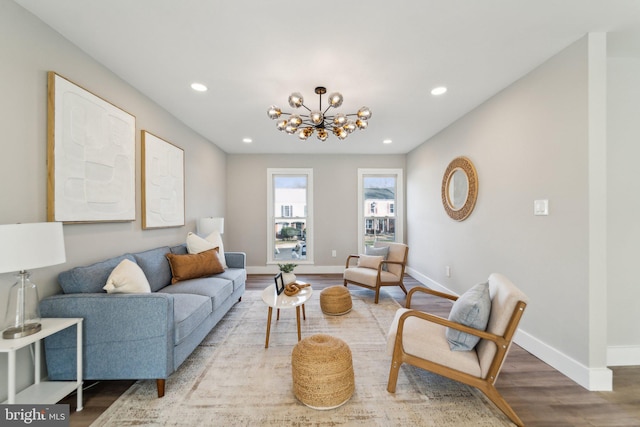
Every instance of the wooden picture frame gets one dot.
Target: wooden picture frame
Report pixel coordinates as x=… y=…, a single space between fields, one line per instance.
x=162 y=183
x=279 y=283
x=91 y=148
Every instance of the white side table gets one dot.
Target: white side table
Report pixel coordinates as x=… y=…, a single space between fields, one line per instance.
x=43 y=392
x=273 y=300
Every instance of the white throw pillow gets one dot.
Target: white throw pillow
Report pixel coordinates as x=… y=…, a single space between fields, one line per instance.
x=127 y=278
x=369 y=261
x=196 y=244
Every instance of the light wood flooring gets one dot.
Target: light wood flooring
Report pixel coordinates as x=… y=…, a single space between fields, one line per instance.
x=539 y=394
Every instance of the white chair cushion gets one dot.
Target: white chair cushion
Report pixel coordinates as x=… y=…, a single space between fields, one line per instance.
x=396 y=253
x=427 y=340
x=368 y=276
x=369 y=261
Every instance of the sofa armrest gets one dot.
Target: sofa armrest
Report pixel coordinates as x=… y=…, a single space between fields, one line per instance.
x=235 y=259
x=126 y=336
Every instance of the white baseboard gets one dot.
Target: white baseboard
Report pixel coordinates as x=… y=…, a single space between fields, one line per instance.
x=593 y=379
x=623 y=355
x=428 y=282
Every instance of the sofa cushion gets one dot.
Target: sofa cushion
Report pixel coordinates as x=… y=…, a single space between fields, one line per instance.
x=90 y=278
x=155 y=266
x=192 y=266
x=127 y=278
x=237 y=275
x=189 y=311
x=471 y=309
x=213 y=287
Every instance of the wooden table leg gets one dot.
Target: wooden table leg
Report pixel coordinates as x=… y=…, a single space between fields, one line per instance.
x=304 y=315
x=298 y=319
x=266 y=343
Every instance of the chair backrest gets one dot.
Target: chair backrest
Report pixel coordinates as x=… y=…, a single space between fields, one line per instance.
x=506 y=312
x=397 y=252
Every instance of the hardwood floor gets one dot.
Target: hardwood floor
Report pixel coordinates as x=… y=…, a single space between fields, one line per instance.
x=538 y=393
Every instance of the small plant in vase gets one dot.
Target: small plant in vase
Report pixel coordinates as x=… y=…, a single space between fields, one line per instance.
x=287 y=272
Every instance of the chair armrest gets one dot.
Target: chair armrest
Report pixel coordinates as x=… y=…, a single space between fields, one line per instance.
x=445 y=322
x=349 y=259
x=428 y=291
x=235 y=259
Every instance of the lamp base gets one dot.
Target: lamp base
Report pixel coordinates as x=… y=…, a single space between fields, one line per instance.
x=21 y=331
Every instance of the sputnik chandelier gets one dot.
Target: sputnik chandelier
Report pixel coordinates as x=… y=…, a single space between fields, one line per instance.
x=317 y=120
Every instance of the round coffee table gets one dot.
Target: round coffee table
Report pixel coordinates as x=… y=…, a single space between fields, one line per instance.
x=273 y=300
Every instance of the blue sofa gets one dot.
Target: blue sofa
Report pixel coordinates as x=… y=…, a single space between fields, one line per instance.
x=138 y=336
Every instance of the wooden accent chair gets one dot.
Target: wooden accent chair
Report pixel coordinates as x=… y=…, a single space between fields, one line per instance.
x=389 y=273
x=418 y=338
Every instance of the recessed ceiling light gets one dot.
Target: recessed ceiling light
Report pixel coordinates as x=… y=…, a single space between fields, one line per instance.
x=247 y=140
x=438 y=90
x=198 y=87
x=387 y=141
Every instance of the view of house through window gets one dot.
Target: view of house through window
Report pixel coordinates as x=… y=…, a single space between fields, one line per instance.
x=380 y=198
x=290 y=210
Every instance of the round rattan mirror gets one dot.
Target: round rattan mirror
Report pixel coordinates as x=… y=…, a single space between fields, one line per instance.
x=459 y=188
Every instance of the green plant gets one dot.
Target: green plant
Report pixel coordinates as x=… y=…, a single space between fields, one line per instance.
x=287 y=268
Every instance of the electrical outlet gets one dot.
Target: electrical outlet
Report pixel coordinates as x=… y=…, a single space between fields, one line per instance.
x=447 y=271
x=333 y=253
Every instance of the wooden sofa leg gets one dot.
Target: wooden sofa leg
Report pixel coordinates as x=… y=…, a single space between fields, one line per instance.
x=160 y=385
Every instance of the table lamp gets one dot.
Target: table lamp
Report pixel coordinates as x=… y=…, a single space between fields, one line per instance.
x=27 y=246
x=207 y=226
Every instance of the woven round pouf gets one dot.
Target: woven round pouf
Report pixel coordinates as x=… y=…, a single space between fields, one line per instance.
x=322 y=372
x=335 y=300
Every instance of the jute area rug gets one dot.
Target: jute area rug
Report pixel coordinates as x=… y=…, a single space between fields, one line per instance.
x=232 y=380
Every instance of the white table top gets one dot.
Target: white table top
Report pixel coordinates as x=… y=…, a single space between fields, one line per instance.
x=284 y=301
x=49 y=326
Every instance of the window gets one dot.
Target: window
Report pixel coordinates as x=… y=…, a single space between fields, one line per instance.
x=287 y=210
x=380 y=201
x=290 y=225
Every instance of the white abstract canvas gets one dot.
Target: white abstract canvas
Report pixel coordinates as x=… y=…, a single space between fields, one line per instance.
x=91 y=156
x=162 y=183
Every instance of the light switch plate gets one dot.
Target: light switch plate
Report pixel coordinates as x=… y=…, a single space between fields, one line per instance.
x=541 y=207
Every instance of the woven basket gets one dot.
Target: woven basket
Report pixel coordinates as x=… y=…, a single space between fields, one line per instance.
x=322 y=371
x=335 y=300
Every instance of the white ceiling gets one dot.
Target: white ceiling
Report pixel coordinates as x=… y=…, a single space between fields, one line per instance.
x=384 y=54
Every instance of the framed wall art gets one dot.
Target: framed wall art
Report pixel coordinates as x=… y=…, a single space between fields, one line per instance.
x=162 y=183
x=90 y=156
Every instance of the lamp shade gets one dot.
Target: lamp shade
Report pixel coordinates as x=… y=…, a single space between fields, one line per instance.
x=29 y=246
x=207 y=226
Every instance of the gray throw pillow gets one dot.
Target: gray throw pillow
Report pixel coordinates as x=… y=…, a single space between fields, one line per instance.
x=382 y=251
x=471 y=309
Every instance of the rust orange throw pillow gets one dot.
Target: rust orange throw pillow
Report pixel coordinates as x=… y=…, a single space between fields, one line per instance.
x=192 y=266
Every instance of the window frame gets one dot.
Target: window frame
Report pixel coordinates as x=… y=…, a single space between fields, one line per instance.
x=398 y=202
x=271 y=173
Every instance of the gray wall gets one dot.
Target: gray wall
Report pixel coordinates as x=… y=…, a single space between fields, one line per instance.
x=29 y=49
x=624 y=204
x=335 y=180
x=528 y=142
